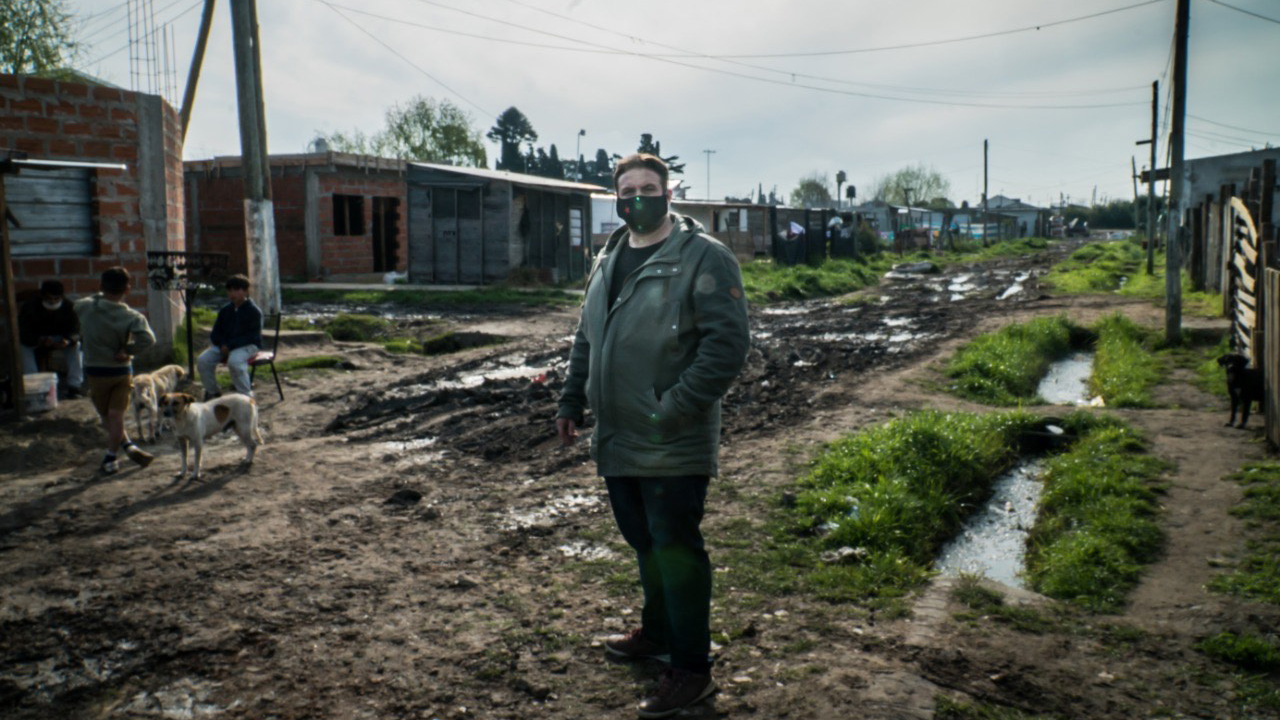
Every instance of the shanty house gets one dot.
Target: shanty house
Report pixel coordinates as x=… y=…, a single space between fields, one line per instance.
x=475 y=226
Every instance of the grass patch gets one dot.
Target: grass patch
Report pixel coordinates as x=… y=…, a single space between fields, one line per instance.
x=970 y=250
x=765 y=281
x=355 y=327
x=1096 y=525
x=427 y=299
x=1257 y=575
x=1124 y=367
x=1121 y=267
x=983 y=602
x=1247 y=652
x=1005 y=367
x=313 y=362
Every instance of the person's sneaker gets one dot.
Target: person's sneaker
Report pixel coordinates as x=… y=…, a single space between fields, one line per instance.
x=677 y=690
x=138 y=455
x=73 y=393
x=110 y=466
x=634 y=646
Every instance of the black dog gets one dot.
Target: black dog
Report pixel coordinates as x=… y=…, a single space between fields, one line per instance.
x=1244 y=385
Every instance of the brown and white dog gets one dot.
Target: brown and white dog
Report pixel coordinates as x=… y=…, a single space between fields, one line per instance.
x=148 y=388
x=198 y=421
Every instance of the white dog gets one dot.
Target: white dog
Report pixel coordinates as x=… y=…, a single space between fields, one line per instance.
x=148 y=388
x=197 y=421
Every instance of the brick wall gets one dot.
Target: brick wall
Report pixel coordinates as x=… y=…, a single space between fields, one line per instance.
x=343 y=254
x=216 y=215
x=54 y=120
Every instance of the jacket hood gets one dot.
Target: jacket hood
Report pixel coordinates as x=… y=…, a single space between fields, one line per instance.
x=684 y=227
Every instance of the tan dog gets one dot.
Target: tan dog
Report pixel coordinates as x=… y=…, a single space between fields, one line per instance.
x=197 y=421
x=148 y=388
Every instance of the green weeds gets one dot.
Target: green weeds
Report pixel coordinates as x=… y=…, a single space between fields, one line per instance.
x=766 y=281
x=1124 y=366
x=1247 y=652
x=1004 y=368
x=1121 y=267
x=1096 y=524
x=1257 y=575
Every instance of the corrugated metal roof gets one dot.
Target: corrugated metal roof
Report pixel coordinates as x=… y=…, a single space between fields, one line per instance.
x=515 y=178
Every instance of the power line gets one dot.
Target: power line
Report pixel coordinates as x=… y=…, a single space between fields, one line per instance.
x=833 y=91
x=411 y=63
x=729 y=59
x=608 y=50
x=1246 y=12
x=932 y=43
x=1230 y=127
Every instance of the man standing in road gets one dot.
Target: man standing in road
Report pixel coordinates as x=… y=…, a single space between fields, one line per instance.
x=112 y=333
x=663 y=335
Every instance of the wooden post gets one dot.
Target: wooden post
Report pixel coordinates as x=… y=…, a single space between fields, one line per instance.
x=1195 y=264
x=11 y=306
x=1151 y=179
x=1177 y=168
x=1225 y=193
x=197 y=61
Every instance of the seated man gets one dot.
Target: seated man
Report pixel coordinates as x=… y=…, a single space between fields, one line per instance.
x=236 y=336
x=49 y=323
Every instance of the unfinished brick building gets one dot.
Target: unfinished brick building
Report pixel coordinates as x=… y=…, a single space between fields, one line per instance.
x=338 y=216
x=72 y=222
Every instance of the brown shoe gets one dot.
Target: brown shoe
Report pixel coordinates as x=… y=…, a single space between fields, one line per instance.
x=138 y=455
x=635 y=646
x=677 y=690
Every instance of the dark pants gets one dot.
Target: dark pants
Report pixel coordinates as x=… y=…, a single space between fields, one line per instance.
x=659 y=519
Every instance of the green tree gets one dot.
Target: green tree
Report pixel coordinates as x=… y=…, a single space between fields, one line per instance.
x=813 y=191
x=599 y=171
x=423 y=129
x=35 y=36
x=511 y=130
x=647 y=145
x=914 y=184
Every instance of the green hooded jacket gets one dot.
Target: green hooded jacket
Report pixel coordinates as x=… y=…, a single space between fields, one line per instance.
x=106 y=328
x=654 y=366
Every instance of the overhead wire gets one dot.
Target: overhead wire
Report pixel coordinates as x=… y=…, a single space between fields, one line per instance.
x=834 y=91
x=1246 y=12
x=411 y=63
x=731 y=59
x=1231 y=127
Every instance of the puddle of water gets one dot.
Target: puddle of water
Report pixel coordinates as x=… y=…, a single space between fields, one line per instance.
x=1015 y=288
x=474 y=379
x=785 y=310
x=993 y=541
x=404 y=446
x=961 y=283
x=1067 y=382
x=580 y=550
x=898 y=321
x=567 y=504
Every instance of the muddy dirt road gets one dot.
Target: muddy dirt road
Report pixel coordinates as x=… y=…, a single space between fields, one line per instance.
x=411 y=543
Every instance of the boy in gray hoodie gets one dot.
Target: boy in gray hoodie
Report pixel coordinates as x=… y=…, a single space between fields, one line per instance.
x=112 y=333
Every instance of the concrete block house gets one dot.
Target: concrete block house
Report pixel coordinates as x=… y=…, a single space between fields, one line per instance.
x=92 y=178
x=338 y=216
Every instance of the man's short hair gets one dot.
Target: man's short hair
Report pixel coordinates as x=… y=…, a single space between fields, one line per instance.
x=52 y=288
x=115 y=280
x=238 y=282
x=641 y=160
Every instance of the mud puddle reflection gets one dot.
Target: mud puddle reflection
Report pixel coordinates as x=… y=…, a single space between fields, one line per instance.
x=993 y=542
x=1067 y=381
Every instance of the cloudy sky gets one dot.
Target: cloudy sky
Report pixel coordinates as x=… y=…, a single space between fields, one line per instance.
x=778 y=90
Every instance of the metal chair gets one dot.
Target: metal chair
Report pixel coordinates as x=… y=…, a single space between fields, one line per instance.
x=268 y=357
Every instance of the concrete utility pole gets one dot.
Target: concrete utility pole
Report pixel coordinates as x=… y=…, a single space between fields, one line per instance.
x=1173 y=246
x=984 y=192
x=197 y=61
x=259 y=217
x=709 y=153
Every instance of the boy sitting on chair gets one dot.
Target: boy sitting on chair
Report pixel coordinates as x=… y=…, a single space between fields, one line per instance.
x=236 y=336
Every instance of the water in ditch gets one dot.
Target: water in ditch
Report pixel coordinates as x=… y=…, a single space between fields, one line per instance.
x=993 y=541
x=1067 y=382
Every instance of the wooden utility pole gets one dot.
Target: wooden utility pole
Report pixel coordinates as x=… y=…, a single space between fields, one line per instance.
x=1133 y=170
x=1173 y=245
x=1151 y=179
x=197 y=61
x=259 y=217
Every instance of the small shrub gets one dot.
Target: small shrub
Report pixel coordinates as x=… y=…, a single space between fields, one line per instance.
x=1248 y=652
x=356 y=327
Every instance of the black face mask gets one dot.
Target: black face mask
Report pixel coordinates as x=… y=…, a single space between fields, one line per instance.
x=643 y=213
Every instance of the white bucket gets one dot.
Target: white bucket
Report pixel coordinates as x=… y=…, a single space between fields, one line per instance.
x=40 y=392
